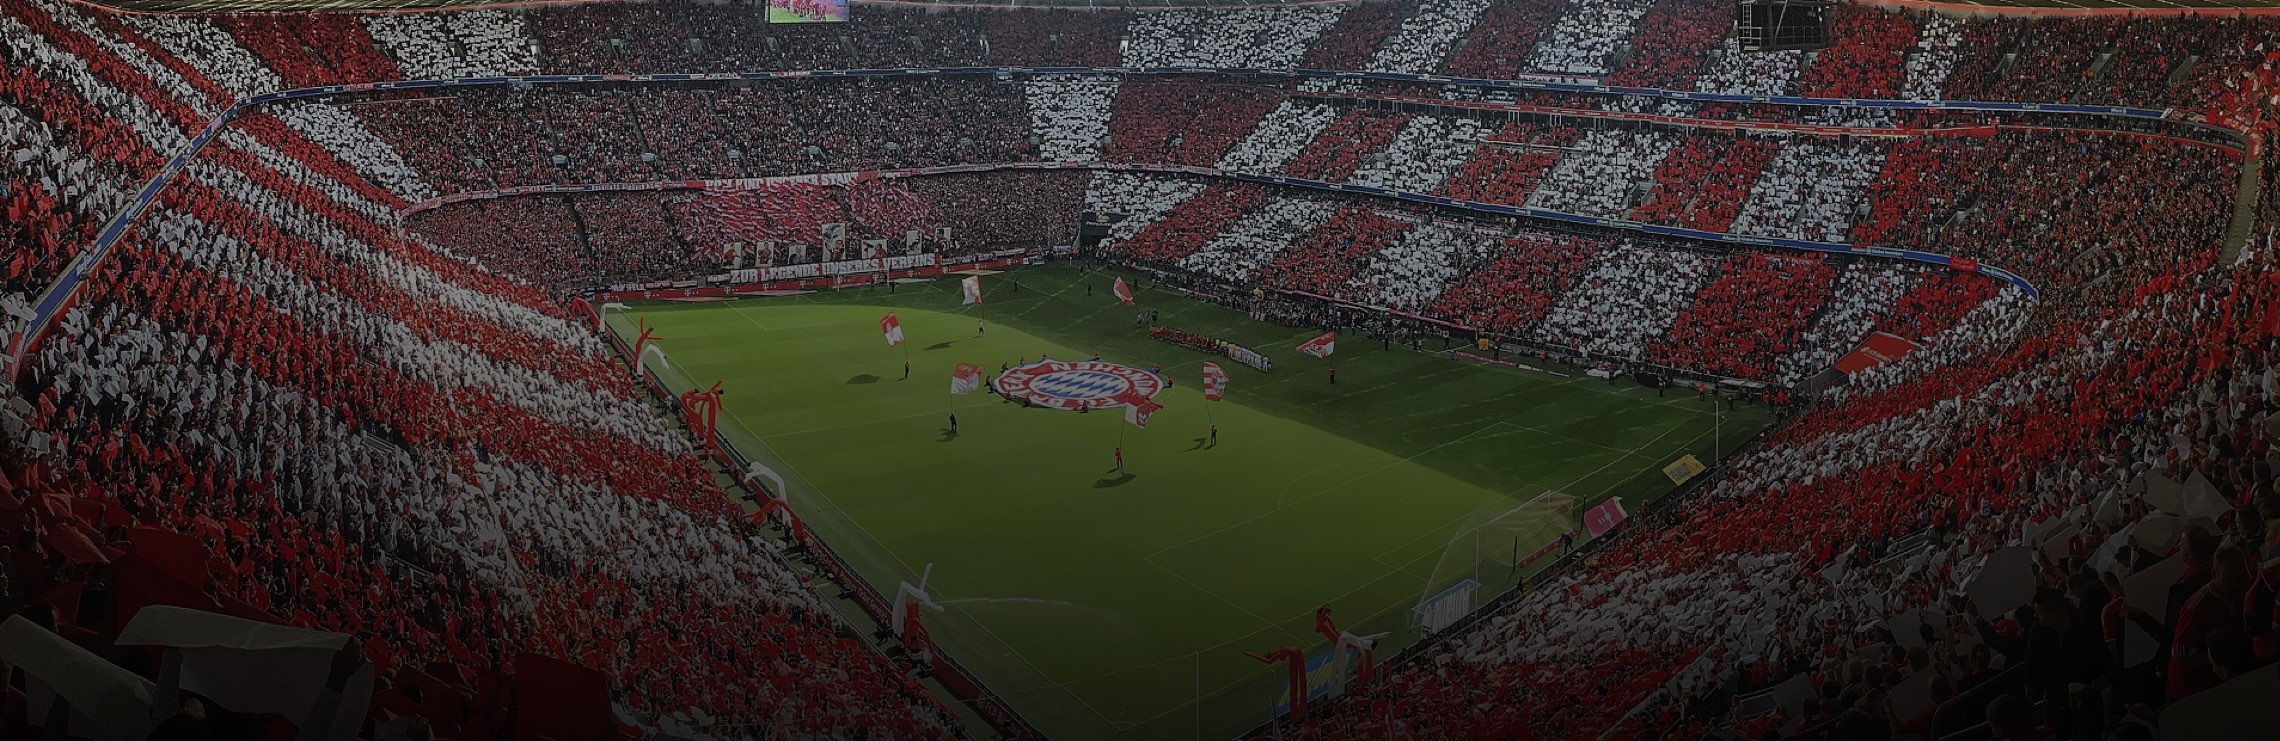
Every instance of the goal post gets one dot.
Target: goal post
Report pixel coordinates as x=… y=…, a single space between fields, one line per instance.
x=1486 y=555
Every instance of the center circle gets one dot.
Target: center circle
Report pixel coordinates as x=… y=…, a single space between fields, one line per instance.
x=1089 y=384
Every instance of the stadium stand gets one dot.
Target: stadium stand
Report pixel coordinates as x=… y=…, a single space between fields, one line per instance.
x=1186 y=122
x=1603 y=174
x=271 y=401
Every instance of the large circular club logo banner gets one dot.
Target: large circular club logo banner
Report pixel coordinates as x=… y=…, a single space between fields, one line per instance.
x=1089 y=384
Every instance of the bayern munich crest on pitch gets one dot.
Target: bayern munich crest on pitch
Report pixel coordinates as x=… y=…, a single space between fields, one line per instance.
x=1089 y=384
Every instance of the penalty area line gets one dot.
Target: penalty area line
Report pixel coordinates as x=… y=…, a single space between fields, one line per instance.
x=1281 y=505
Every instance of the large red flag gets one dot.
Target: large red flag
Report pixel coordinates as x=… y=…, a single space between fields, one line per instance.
x=1320 y=347
x=893 y=327
x=1123 y=292
x=1214 y=382
x=1138 y=410
x=966 y=378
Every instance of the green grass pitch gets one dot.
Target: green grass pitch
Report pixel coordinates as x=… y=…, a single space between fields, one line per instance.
x=1104 y=605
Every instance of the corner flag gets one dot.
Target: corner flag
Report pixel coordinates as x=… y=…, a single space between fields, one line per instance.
x=966 y=379
x=1123 y=292
x=1214 y=382
x=893 y=327
x=1320 y=347
x=973 y=286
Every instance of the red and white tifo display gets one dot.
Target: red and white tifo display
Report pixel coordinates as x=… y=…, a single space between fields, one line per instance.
x=1088 y=384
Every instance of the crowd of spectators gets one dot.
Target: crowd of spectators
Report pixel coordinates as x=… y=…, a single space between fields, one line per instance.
x=1674 y=37
x=629 y=237
x=1193 y=221
x=1734 y=72
x=364 y=431
x=1134 y=201
x=1780 y=329
x=201 y=61
x=1031 y=210
x=1238 y=38
x=1422 y=155
x=1508 y=295
x=1507 y=25
x=433 y=46
x=1603 y=174
x=494 y=138
x=1339 y=150
x=1867 y=60
x=1286 y=131
x=1328 y=256
x=1186 y=121
x=319 y=49
x=1242 y=252
x=368 y=436
x=1628 y=298
x=1752 y=316
x=601 y=239
x=535 y=238
x=1770 y=583
x=1998 y=199
x=1047 y=35
x=1582 y=41
x=1864 y=294
x=1349 y=43
x=1069 y=115
x=1506 y=166
x=1704 y=181
x=2055 y=58
x=1811 y=190
x=1427 y=37
x=1410 y=274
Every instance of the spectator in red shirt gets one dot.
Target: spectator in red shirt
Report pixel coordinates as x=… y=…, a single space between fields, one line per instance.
x=2216 y=606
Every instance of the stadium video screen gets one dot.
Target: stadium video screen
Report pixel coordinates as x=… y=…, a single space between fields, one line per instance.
x=807 y=11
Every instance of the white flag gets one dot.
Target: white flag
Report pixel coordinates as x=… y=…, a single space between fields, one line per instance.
x=973 y=286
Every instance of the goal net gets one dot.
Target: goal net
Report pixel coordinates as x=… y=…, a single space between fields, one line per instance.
x=1489 y=552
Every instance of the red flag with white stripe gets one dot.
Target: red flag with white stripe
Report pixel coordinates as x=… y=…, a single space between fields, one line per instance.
x=1320 y=347
x=1214 y=382
x=966 y=379
x=1123 y=292
x=1137 y=412
x=892 y=327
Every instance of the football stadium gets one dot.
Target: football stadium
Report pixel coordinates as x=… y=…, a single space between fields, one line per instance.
x=612 y=370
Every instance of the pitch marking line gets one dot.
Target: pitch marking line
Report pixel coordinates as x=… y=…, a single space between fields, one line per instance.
x=858 y=525
x=882 y=420
x=1280 y=505
x=1627 y=456
x=1214 y=595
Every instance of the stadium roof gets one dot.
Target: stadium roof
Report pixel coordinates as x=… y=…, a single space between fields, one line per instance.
x=2008 y=7
x=254 y=6
x=2088 y=7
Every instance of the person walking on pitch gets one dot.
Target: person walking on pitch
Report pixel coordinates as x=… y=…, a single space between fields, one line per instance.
x=1119 y=459
x=1214 y=435
x=953 y=423
x=906 y=370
